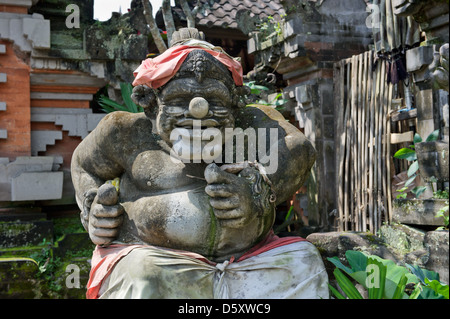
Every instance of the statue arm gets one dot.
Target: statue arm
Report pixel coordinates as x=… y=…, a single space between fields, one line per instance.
x=96 y=159
x=294 y=156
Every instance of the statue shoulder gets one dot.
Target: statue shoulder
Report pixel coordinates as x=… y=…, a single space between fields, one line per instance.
x=259 y=116
x=118 y=131
x=124 y=121
x=123 y=126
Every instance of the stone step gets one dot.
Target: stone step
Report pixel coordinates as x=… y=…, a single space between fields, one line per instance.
x=25 y=233
x=21 y=214
x=18 y=278
x=418 y=211
x=18 y=252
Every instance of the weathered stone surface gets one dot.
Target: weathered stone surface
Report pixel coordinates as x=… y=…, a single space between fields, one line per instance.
x=37 y=186
x=418 y=211
x=403 y=238
x=18 y=278
x=419 y=58
x=331 y=244
x=73 y=243
x=13 y=234
x=433 y=158
x=437 y=243
x=399 y=243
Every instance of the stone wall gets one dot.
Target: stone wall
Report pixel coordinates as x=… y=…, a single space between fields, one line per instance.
x=315 y=34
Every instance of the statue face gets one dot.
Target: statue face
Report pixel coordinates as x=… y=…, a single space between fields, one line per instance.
x=193 y=115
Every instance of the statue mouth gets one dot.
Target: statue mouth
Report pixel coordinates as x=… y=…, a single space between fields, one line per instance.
x=196 y=130
x=192 y=123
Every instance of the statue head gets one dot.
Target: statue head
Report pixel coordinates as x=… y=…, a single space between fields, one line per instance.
x=191 y=86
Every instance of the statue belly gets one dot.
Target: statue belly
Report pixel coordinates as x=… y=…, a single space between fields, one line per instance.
x=181 y=220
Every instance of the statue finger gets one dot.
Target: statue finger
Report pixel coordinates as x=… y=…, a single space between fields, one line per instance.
x=107 y=222
x=107 y=195
x=225 y=203
x=215 y=175
x=102 y=211
x=104 y=232
x=228 y=213
x=101 y=241
x=220 y=190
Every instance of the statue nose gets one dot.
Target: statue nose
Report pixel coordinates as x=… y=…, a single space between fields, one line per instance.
x=199 y=107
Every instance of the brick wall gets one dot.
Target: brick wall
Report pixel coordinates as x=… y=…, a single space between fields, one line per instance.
x=15 y=92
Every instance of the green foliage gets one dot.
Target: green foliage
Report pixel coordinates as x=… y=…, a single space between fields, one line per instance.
x=48 y=265
x=258 y=90
x=271 y=28
x=109 y=105
x=409 y=154
x=441 y=194
x=443 y=212
x=383 y=279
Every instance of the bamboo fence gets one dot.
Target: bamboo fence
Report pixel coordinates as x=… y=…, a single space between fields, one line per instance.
x=363 y=99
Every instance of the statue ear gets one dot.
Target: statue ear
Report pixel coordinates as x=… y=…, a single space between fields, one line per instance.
x=146 y=98
x=240 y=94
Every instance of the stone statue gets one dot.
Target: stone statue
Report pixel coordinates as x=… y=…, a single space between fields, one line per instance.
x=184 y=208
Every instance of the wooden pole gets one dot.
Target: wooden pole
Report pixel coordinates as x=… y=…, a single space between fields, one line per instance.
x=388 y=153
x=168 y=20
x=364 y=126
x=347 y=150
x=340 y=144
x=379 y=188
x=359 y=185
x=353 y=144
x=188 y=13
x=148 y=14
x=384 y=111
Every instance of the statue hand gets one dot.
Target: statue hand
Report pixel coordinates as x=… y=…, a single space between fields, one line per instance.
x=105 y=216
x=231 y=197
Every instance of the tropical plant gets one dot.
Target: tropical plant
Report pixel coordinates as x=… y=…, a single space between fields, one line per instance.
x=443 y=212
x=409 y=153
x=383 y=279
x=258 y=90
x=108 y=105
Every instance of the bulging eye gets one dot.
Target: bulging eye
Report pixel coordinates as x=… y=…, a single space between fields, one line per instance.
x=174 y=110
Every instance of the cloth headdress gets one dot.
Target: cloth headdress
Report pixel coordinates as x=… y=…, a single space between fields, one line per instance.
x=158 y=71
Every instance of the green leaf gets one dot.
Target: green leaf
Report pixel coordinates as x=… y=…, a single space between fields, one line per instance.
x=433 y=136
x=437 y=287
x=110 y=105
x=335 y=292
x=417 y=138
x=127 y=89
x=398 y=293
x=410 y=180
x=394 y=273
x=346 y=285
x=413 y=168
x=399 y=196
x=288 y=215
x=416 y=293
x=418 y=190
x=376 y=288
x=357 y=260
x=429 y=293
x=421 y=273
x=335 y=261
x=406 y=153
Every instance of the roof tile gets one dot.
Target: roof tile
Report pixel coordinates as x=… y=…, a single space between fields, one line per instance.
x=222 y=13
